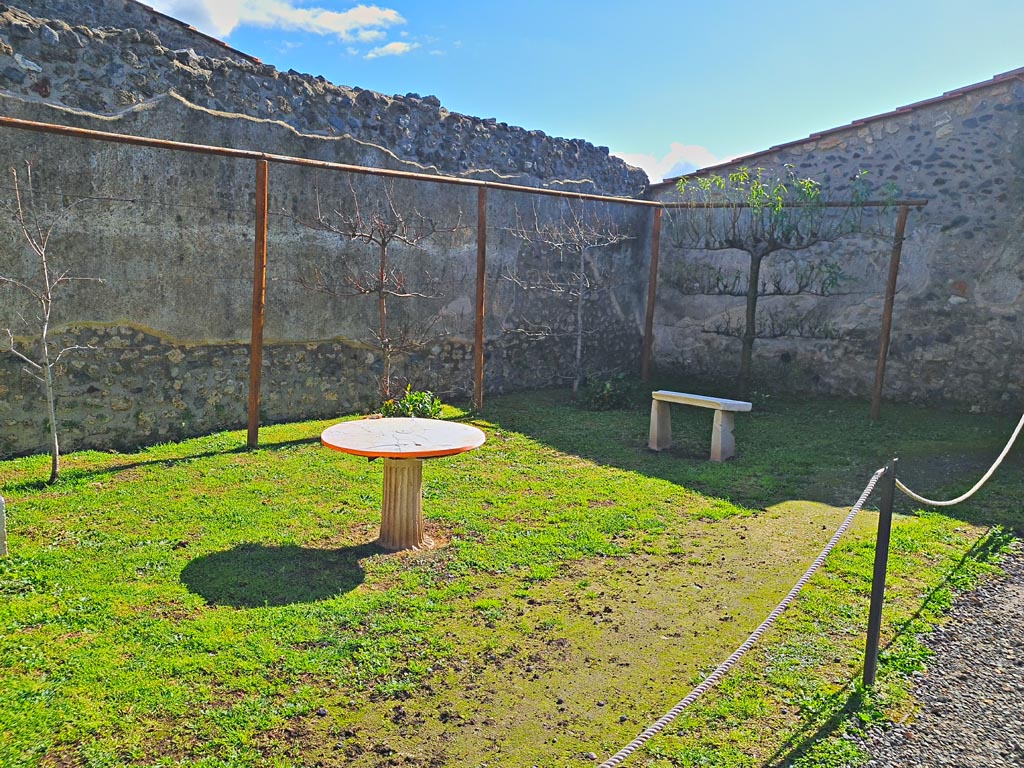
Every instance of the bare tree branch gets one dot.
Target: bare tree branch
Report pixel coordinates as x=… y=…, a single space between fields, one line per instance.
x=12 y=349
x=37 y=224
x=578 y=231
x=380 y=225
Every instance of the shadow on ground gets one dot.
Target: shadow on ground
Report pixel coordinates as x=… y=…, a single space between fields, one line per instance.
x=72 y=475
x=843 y=705
x=774 y=462
x=256 y=575
x=818 y=449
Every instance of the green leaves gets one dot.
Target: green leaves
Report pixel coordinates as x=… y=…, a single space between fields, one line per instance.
x=420 y=405
x=757 y=189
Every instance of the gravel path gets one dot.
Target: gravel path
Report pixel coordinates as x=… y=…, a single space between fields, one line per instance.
x=972 y=694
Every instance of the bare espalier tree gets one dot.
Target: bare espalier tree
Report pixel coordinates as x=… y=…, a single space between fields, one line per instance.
x=41 y=289
x=381 y=224
x=761 y=215
x=573 y=238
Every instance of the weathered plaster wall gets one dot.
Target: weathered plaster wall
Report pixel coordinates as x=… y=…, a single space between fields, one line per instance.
x=170 y=236
x=957 y=333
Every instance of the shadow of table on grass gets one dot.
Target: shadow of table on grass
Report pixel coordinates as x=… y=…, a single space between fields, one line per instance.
x=257 y=575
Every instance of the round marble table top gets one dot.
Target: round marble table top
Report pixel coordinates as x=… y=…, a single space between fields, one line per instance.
x=402 y=438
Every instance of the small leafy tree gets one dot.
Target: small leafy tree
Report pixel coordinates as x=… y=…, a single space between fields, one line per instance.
x=381 y=225
x=573 y=238
x=760 y=214
x=42 y=355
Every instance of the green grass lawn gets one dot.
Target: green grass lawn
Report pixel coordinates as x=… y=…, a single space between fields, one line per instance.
x=198 y=604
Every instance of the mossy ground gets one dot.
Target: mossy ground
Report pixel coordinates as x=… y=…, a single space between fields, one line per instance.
x=198 y=604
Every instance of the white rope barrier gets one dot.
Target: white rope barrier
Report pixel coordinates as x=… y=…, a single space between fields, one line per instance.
x=712 y=679
x=729 y=663
x=991 y=470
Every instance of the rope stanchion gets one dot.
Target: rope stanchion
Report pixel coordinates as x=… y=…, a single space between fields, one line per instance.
x=712 y=679
x=977 y=486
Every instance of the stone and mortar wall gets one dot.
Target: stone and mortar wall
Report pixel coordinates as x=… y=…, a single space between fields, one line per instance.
x=127 y=14
x=170 y=237
x=957 y=332
x=174 y=248
x=107 y=70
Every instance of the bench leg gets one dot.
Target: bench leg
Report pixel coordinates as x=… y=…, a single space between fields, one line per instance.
x=722 y=444
x=661 y=426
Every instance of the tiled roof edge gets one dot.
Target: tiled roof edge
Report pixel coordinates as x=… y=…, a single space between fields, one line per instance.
x=947 y=96
x=196 y=32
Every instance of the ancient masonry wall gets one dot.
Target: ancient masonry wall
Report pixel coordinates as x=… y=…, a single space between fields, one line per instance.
x=957 y=334
x=169 y=237
x=108 y=69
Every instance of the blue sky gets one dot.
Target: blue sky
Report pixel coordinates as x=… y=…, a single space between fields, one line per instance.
x=667 y=85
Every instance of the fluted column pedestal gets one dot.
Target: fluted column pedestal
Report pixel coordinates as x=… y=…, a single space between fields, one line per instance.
x=401 y=523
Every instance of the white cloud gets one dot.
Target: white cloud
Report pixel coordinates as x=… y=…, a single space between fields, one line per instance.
x=222 y=17
x=680 y=160
x=369 y=35
x=392 y=49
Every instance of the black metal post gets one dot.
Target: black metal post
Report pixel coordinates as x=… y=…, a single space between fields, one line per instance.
x=881 y=567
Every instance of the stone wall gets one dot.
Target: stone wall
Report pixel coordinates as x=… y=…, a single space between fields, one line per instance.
x=90 y=15
x=109 y=69
x=169 y=238
x=957 y=330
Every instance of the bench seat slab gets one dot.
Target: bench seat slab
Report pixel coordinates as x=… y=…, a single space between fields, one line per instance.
x=703 y=401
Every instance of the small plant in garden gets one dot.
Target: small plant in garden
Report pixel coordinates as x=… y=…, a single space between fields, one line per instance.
x=610 y=394
x=418 y=404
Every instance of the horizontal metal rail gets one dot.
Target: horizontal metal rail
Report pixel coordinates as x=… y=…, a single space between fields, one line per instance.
x=304 y=162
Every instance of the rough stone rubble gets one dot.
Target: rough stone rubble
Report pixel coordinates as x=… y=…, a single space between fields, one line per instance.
x=105 y=70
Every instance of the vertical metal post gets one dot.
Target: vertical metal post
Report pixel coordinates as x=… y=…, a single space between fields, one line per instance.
x=890 y=297
x=481 y=297
x=259 y=301
x=881 y=568
x=652 y=294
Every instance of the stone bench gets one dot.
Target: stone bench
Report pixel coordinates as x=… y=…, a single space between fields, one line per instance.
x=722 y=444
